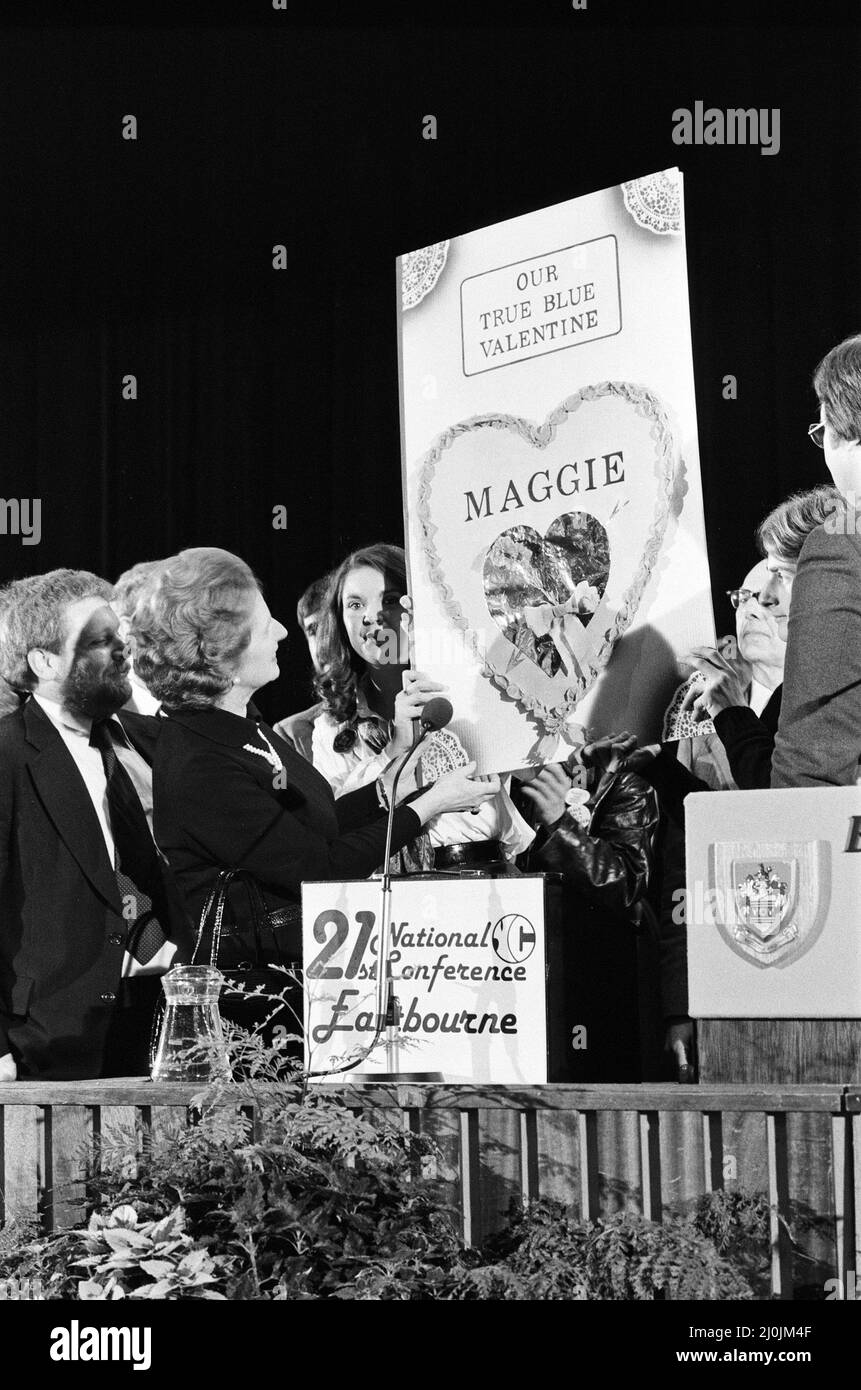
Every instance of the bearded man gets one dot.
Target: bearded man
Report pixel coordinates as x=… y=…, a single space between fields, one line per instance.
x=89 y=914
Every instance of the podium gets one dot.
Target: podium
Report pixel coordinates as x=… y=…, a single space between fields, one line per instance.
x=470 y=967
x=503 y=980
x=774 y=972
x=773 y=910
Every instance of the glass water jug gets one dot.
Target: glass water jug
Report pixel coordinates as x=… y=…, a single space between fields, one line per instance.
x=191 y=1041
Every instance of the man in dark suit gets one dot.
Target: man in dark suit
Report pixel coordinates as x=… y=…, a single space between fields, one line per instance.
x=819 y=736
x=89 y=914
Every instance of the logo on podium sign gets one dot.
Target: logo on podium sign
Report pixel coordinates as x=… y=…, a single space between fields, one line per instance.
x=772 y=898
x=513 y=938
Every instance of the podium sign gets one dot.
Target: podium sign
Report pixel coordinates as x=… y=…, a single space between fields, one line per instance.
x=468 y=962
x=773 y=903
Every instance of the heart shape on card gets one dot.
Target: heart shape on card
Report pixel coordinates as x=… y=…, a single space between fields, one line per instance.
x=543 y=592
x=540 y=540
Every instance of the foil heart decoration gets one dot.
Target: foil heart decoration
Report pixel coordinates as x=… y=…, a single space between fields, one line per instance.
x=544 y=592
x=553 y=531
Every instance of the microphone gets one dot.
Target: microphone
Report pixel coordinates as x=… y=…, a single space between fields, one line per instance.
x=435 y=715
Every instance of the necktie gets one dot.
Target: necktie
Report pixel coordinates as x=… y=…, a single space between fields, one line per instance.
x=136 y=866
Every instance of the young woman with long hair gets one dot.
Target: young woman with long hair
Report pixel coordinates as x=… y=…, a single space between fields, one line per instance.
x=371 y=696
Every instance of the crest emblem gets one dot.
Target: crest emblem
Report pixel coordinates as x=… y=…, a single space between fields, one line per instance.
x=763 y=897
x=772 y=898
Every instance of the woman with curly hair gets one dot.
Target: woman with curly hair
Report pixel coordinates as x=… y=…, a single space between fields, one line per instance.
x=371 y=697
x=228 y=792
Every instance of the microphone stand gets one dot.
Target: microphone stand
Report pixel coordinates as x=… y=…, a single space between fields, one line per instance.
x=388 y=1008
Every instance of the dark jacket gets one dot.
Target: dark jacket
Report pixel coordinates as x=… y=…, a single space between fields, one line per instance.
x=609 y=862
x=218 y=806
x=819 y=740
x=62 y=931
x=748 y=740
x=602 y=937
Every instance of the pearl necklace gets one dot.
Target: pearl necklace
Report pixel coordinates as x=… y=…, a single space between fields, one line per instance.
x=268 y=753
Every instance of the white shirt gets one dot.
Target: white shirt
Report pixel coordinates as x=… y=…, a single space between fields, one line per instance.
x=75 y=734
x=497 y=818
x=758 y=697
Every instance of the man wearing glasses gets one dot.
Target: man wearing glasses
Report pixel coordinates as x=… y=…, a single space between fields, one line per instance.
x=734 y=698
x=761 y=613
x=744 y=692
x=819 y=735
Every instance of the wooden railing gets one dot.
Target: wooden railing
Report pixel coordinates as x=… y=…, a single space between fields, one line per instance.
x=650 y=1148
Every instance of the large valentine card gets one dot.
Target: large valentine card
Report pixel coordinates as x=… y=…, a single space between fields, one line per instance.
x=551 y=472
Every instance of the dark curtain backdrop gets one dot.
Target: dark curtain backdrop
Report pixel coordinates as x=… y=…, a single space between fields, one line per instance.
x=259 y=388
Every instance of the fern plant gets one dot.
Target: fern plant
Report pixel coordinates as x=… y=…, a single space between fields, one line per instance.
x=312 y=1199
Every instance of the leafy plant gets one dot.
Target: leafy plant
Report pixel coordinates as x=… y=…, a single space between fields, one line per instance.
x=313 y=1199
x=737 y=1224
x=150 y=1259
x=549 y=1253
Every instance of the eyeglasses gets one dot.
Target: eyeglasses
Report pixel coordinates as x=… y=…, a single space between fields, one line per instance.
x=817 y=434
x=739 y=596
